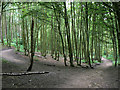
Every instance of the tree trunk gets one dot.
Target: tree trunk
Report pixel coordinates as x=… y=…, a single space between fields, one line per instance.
x=68 y=36
x=27 y=32
x=87 y=33
x=62 y=44
x=52 y=36
x=32 y=46
x=1 y=17
x=114 y=42
x=80 y=47
x=23 y=37
x=9 y=40
x=94 y=19
x=16 y=37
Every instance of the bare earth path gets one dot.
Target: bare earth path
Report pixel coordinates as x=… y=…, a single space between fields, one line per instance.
x=103 y=76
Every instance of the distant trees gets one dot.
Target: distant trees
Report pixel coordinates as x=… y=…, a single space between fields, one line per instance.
x=58 y=18
x=115 y=8
x=78 y=30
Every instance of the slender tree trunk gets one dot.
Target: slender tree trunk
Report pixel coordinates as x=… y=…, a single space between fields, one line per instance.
x=87 y=33
x=106 y=49
x=1 y=17
x=58 y=20
x=98 y=46
x=41 y=39
x=55 y=42
x=37 y=37
x=12 y=30
x=118 y=37
x=76 y=47
x=9 y=40
x=32 y=46
x=114 y=42
x=72 y=30
x=114 y=47
x=2 y=32
x=16 y=37
x=92 y=37
x=23 y=37
x=27 y=32
x=68 y=36
x=80 y=47
x=52 y=36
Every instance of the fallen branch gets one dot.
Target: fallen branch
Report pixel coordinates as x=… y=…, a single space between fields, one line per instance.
x=24 y=73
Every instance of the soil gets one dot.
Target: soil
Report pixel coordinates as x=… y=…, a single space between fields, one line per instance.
x=104 y=75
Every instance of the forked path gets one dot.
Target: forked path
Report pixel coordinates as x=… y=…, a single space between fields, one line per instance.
x=103 y=76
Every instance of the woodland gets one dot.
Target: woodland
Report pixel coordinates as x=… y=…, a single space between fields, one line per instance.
x=78 y=34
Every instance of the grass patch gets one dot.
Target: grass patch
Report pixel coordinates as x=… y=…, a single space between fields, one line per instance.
x=4 y=60
x=36 y=58
x=96 y=61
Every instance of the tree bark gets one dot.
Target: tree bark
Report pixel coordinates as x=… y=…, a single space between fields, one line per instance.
x=68 y=36
x=58 y=20
x=1 y=17
x=32 y=46
x=116 y=8
x=87 y=33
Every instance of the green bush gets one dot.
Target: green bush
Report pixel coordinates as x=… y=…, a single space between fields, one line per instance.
x=4 y=60
x=5 y=41
x=14 y=41
x=13 y=44
x=21 y=48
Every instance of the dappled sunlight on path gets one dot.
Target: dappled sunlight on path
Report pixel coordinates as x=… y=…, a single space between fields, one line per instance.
x=11 y=56
x=106 y=63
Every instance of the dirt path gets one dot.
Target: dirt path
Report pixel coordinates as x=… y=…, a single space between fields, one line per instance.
x=103 y=76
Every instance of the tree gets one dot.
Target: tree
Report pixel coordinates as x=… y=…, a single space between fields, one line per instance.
x=58 y=20
x=87 y=34
x=32 y=46
x=68 y=36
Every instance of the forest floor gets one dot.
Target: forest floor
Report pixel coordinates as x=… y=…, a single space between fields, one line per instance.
x=104 y=75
